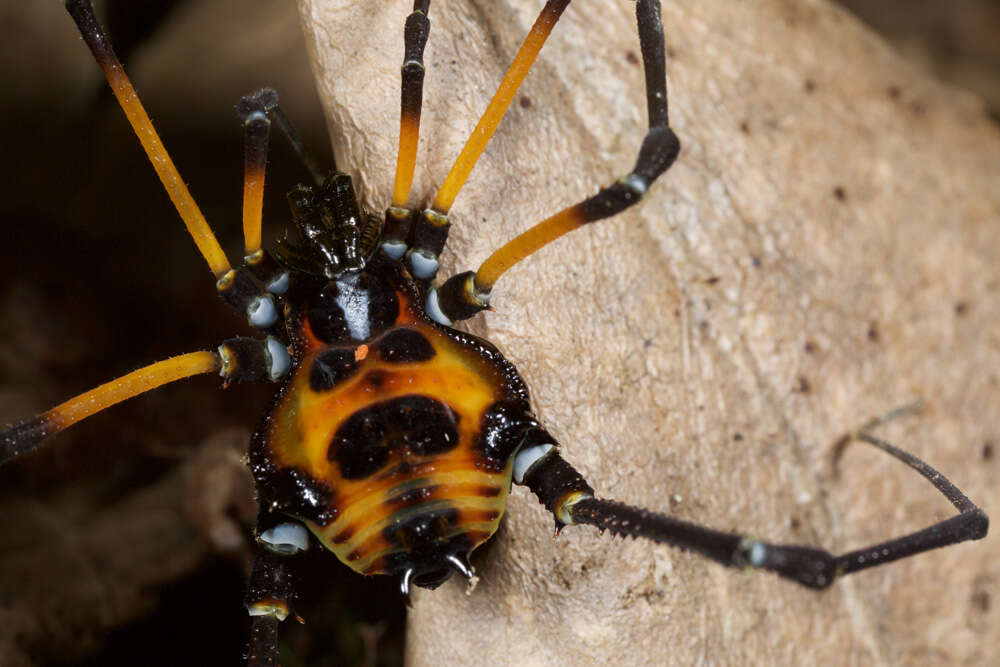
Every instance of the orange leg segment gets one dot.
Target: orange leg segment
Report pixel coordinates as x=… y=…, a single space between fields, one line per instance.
x=255 y=138
x=487 y=125
x=28 y=434
x=82 y=12
x=465 y=294
x=415 y=37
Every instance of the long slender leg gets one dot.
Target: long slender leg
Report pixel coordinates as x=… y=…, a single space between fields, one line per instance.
x=236 y=360
x=252 y=109
x=571 y=500
x=239 y=292
x=234 y=286
x=430 y=227
x=269 y=599
x=266 y=101
x=411 y=99
x=397 y=216
x=82 y=12
x=271 y=591
x=487 y=125
x=465 y=294
x=307 y=158
x=25 y=436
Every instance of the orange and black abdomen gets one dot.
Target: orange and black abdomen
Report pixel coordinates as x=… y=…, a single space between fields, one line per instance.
x=393 y=439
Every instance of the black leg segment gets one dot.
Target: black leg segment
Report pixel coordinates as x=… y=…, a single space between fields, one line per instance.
x=565 y=493
x=266 y=100
x=415 y=39
x=465 y=294
x=398 y=218
x=654 y=58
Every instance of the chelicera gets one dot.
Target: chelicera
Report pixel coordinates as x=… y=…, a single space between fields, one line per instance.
x=394 y=438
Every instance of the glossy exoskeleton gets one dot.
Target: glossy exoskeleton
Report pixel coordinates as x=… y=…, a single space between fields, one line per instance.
x=394 y=438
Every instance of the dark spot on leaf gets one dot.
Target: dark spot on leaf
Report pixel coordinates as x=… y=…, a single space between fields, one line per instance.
x=981 y=601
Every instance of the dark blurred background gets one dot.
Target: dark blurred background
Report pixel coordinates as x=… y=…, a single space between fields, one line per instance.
x=126 y=540
x=957 y=41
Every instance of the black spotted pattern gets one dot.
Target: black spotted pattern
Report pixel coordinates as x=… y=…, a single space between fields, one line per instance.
x=331 y=368
x=409 y=426
x=404 y=346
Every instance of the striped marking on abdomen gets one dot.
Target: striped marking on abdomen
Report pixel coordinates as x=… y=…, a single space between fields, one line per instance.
x=359 y=537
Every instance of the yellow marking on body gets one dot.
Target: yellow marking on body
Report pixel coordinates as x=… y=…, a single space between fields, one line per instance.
x=368 y=531
x=309 y=419
x=304 y=424
x=460 y=479
x=371 y=535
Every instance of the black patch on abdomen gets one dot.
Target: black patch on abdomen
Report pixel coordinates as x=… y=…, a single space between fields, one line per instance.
x=326 y=319
x=296 y=492
x=331 y=368
x=409 y=426
x=376 y=292
x=402 y=346
x=504 y=427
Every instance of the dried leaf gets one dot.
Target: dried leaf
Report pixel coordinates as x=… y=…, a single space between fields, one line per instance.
x=823 y=251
